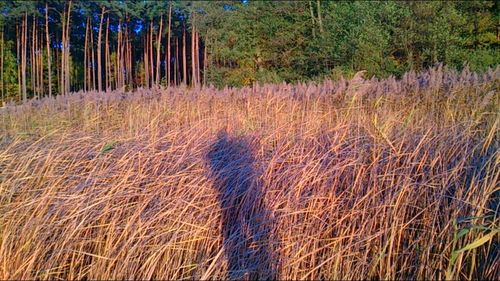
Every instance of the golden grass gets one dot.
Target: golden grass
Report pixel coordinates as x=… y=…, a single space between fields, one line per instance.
x=288 y=182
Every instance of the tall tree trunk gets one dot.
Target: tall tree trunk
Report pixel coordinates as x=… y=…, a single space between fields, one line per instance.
x=167 y=59
x=58 y=69
x=146 y=60
x=193 y=54
x=198 y=77
x=67 y=49
x=40 y=56
x=23 y=64
x=151 y=60
x=176 y=62
x=320 y=21
x=47 y=35
x=32 y=58
x=99 y=52
x=37 y=66
x=184 y=59
x=1 y=66
x=205 y=61
x=106 y=58
x=62 y=85
x=92 y=69
x=64 y=50
x=313 y=19
x=125 y=53
x=85 y=57
x=158 y=44
x=119 y=65
x=127 y=56
x=18 y=56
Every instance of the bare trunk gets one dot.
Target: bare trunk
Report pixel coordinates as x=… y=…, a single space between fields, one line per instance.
x=1 y=67
x=58 y=69
x=32 y=59
x=48 y=47
x=193 y=56
x=127 y=57
x=151 y=60
x=320 y=21
x=106 y=57
x=197 y=55
x=18 y=56
x=62 y=85
x=146 y=61
x=119 y=69
x=67 y=49
x=23 y=64
x=158 y=42
x=99 y=52
x=313 y=19
x=85 y=57
x=40 y=56
x=65 y=71
x=205 y=61
x=176 y=61
x=184 y=60
x=92 y=69
x=167 y=60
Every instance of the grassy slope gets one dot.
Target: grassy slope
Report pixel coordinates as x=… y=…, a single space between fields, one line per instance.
x=338 y=180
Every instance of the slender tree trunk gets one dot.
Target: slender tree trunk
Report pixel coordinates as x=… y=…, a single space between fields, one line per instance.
x=167 y=60
x=92 y=70
x=198 y=77
x=132 y=82
x=146 y=61
x=99 y=52
x=127 y=56
x=58 y=69
x=32 y=58
x=85 y=56
x=1 y=66
x=320 y=21
x=37 y=66
x=62 y=85
x=158 y=44
x=67 y=49
x=313 y=19
x=47 y=37
x=176 y=62
x=128 y=59
x=23 y=65
x=106 y=58
x=119 y=59
x=125 y=53
x=193 y=56
x=184 y=59
x=40 y=56
x=205 y=61
x=151 y=60
x=18 y=56
x=64 y=51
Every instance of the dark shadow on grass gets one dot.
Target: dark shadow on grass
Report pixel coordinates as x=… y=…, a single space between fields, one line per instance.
x=246 y=222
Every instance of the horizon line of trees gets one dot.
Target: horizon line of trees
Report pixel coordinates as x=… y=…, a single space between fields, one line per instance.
x=56 y=46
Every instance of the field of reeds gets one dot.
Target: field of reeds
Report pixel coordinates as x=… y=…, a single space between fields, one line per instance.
x=389 y=179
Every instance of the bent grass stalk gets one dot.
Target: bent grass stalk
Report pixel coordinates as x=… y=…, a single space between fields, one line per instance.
x=381 y=179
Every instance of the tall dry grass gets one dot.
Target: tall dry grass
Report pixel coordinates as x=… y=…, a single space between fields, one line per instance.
x=354 y=179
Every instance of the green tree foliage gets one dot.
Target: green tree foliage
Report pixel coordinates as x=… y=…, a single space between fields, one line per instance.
x=243 y=42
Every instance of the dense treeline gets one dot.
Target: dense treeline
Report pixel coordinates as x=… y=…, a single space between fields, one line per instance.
x=55 y=46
